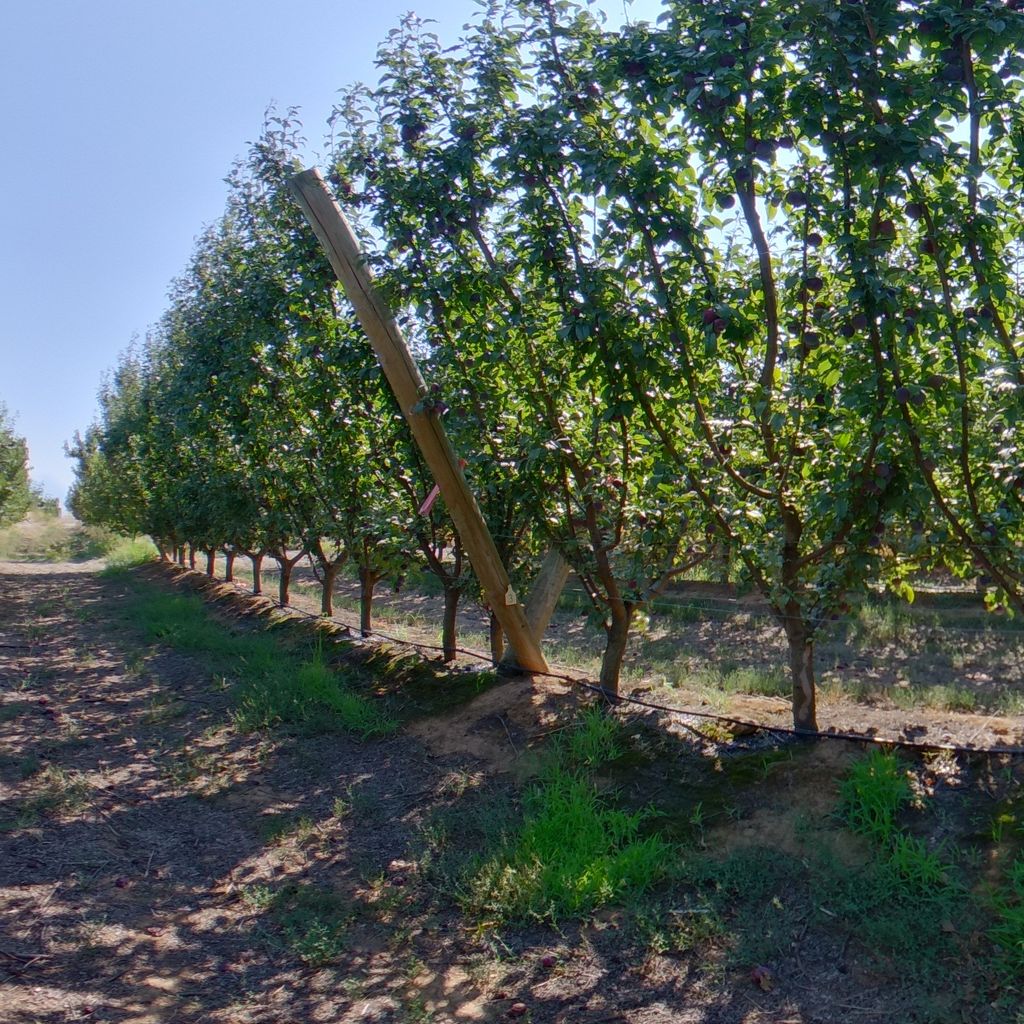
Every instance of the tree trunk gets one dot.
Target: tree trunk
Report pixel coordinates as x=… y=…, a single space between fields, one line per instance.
x=162 y=548
x=211 y=562
x=801 y=668
x=449 y=627
x=180 y=555
x=724 y=561
x=229 y=565
x=330 y=571
x=284 y=581
x=497 y=638
x=367 y=581
x=191 y=556
x=541 y=604
x=615 y=650
x=257 y=573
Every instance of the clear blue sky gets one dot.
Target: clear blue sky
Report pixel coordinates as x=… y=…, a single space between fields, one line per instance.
x=122 y=117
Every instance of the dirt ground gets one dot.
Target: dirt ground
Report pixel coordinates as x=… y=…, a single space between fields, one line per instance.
x=140 y=836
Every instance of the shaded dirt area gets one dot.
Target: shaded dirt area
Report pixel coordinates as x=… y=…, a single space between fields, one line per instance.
x=158 y=866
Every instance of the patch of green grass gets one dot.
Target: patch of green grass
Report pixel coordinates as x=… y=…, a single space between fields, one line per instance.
x=46 y=538
x=681 y=930
x=572 y=855
x=14 y=709
x=1008 y=932
x=128 y=552
x=1009 y=704
x=921 y=870
x=55 y=791
x=944 y=697
x=752 y=899
x=258 y=898
x=274 y=685
x=573 y=851
x=310 y=922
x=594 y=740
x=311 y=695
x=890 y=919
x=729 y=680
x=279 y=828
x=872 y=794
x=422 y=688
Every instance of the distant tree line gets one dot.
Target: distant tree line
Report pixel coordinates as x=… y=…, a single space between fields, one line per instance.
x=16 y=493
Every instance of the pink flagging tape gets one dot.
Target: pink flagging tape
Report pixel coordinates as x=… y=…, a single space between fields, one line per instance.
x=428 y=504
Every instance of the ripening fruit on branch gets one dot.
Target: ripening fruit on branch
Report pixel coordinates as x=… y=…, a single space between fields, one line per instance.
x=412 y=132
x=885 y=229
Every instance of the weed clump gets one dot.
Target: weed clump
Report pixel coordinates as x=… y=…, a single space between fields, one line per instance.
x=872 y=795
x=573 y=852
x=309 y=922
x=1008 y=933
x=313 y=696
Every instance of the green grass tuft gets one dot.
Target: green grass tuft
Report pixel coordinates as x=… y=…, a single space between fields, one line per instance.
x=311 y=695
x=128 y=552
x=872 y=794
x=308 y=921
x=1008 y=932
x=921 y=870
x=573 y=851
x=595 y=739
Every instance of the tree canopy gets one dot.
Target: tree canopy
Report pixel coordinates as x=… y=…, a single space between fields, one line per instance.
x=747 y=279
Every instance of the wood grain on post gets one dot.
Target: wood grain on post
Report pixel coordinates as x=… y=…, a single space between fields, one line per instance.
x=378 y=322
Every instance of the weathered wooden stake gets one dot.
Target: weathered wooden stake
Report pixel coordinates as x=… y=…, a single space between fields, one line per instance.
x=377 y=320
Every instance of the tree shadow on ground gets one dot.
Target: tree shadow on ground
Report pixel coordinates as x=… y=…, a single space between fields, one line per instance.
x=157 y=865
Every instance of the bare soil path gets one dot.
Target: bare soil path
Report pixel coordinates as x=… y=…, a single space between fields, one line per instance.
x=136 y=821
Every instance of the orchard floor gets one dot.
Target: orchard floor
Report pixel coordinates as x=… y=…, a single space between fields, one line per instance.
x=156 y=865
x=942 y=675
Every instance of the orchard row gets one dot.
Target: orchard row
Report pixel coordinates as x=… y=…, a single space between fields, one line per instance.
x=749 y=277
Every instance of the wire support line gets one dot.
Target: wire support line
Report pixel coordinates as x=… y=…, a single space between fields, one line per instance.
x=615 y=699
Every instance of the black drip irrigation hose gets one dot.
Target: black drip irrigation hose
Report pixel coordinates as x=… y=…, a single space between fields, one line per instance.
x=614 y=699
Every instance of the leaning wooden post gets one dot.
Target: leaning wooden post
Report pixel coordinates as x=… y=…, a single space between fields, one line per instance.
x=378 y=322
